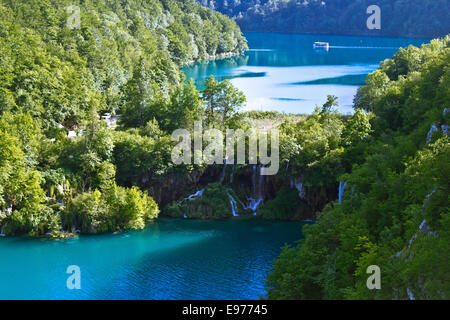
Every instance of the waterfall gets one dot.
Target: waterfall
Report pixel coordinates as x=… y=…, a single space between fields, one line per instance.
x=297 y=183
x=342 y=186
x=60 y=220
x=2 y=232
x=196 y=195
x=410 y=295
x=233 y=205
x=222 y=177
x=261 y=183
x=432 y=131
x=231 y=174
x=257 y=195
x=254 y=203
x=422 y=225
x=299 y=186
x=254 y=172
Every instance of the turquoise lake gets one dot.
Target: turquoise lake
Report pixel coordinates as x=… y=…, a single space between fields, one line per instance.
x=283 y=72
x=170 y=259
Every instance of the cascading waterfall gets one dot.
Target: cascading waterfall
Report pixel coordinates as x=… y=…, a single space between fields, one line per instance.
x=60 y=220
x=410 y=294
x=423 y=227
x=298 y=184
x=254 y=204
x=192 y=197
x=196 y=195
x=254 y=173
x=231 y=174
x=2 y=232
x=222 y=177
x=342 y=186
x=432 y=131
x=260 y=183
x=225 y=163
x=257 y=197
x=233 y=205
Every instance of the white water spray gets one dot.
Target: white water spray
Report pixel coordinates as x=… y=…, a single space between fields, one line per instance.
x=196 y=195
x=2 y=232
x=342 y=186
x=233 y=205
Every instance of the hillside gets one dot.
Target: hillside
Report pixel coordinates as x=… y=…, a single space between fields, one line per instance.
x=413 y=18
x=393 y=207
x=58 y=72
x=64 y=64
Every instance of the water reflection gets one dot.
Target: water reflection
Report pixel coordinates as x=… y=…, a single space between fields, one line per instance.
x=283 y=72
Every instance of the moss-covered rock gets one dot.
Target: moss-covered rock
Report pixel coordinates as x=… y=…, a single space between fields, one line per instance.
x=213 y=202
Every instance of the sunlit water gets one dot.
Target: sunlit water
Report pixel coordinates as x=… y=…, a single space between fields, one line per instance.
x=171 y=259
x=282 y=72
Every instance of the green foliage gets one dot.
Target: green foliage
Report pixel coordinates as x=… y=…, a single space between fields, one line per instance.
x=114 y=209
x=214 y=203
x=409 y=90
x=123 y=59
x=396 y=206
x=140 y=158
x=223 y=101
x=123 y=55
x=285 y=206
x=312 y=146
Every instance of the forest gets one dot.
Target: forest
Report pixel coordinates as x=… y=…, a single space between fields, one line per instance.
x=395 y=210
x=399 y=18
x=65 y=170
x=62 y=168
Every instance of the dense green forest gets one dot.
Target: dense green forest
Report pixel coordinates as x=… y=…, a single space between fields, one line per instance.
x=67 y=165
x=395 y=211
x=57 y=78
x=399 y=18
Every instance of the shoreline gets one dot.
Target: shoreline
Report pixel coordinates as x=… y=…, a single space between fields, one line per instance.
x=219 y=56
x=72 y=235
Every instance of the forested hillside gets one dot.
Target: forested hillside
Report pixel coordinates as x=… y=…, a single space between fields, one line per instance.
x=412 y=18
x=58 y=159
x=89 y=65
x=393 y=209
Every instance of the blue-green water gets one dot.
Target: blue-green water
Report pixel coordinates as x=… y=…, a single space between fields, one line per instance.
x=171 y=259
x=283 y=72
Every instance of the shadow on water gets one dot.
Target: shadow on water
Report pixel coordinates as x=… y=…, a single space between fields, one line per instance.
x=232 y=263
x=170 y=259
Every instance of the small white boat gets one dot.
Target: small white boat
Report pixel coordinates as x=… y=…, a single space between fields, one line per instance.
x=322 y=45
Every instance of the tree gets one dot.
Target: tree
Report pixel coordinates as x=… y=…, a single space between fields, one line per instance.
x=223 y=101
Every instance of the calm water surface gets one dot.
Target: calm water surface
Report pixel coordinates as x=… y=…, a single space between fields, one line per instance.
x=283 y=72
x=171 y=259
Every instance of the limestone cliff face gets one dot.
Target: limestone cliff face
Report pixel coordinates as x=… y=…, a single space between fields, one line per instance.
x=173 y=186
x=250 y=190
